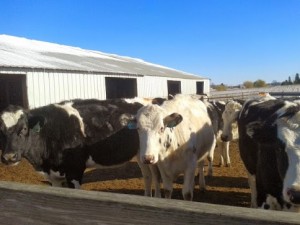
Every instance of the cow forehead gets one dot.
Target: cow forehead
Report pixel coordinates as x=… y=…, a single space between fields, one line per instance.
x=10 y=119
x=150 y=116
x=232 y=106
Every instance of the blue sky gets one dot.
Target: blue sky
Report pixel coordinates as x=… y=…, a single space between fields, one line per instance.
x=228 y=41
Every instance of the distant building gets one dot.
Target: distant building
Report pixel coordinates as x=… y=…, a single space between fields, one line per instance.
x=35 y=73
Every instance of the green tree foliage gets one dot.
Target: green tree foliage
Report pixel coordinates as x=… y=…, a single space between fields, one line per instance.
x=259 y=83
x=297 y=79
x=248 y=84
x=290 y=82
x=221 y=87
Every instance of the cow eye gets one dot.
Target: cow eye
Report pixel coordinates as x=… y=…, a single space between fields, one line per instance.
x=23 y=131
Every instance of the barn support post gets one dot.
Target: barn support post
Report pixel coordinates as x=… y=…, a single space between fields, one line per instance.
x=38 y=204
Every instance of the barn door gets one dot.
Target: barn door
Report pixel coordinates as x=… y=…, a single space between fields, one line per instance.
x=200 y=87
x=13 y=91
x=174 y=87
x=120 y=87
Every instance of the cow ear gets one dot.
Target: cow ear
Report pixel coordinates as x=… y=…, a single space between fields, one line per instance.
x=125 y=118
x=172 y=120
x=289 y=112
x=35 y=123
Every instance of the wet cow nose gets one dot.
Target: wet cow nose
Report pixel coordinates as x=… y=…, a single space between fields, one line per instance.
x=294 y=195
x=224 y=137
x=148 y=159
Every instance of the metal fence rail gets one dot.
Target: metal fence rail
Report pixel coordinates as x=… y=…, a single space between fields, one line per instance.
x=225 y=96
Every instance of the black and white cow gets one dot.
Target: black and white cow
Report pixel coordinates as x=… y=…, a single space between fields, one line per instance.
x=278 y=161
x=175 y=136
x=61 y=140
x=269 y=149
x=215 y=110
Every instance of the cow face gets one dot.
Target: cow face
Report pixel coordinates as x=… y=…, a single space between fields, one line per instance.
x=283 y=127
x=154 y=126
x=18 y=125
x=230 y=116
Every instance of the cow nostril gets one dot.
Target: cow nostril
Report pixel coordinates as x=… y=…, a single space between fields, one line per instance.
x=224 y=137
x=148 y=159
x=11 y=157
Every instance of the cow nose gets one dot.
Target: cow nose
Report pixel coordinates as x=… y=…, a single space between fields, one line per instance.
x=224 y=138
x=9 y=158
x=148 y=159
x=294 y=195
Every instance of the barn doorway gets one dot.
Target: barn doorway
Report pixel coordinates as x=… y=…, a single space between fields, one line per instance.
x=174 y=87
x=199 y=87
x=13 y=91
x=120 y=87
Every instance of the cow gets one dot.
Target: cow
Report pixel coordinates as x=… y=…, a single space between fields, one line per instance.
x=276 y=133
x=215 y=110
x=268 y=148
x=175 y=136
x=229 y=117
x=62 y=140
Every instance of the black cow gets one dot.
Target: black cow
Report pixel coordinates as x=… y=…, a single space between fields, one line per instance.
x=62 y=139
x=269 y=147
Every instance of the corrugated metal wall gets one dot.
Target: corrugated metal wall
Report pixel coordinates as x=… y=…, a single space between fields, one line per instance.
x=45 y=87
x=50 y=87
x=151 y=86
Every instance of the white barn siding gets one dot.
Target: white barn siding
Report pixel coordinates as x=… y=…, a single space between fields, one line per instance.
x=188 y=86
x=50 y=87
x=152 y=86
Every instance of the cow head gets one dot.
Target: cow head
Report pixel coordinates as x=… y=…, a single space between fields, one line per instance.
x=154 y=124
x=17 y=125
x=283 y=128
x=230 y=116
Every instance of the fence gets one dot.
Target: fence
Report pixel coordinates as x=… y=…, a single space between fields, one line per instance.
x=249 y=94
x=42 y=205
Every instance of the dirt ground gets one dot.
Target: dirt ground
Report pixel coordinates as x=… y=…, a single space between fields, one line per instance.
x=228 y=186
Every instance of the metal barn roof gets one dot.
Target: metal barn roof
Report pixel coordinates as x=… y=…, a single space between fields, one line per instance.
x=22 y=52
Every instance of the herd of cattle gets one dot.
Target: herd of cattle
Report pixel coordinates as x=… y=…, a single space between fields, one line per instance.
x=168 y=137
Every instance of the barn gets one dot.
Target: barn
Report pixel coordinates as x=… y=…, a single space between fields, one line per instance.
x=35 y=73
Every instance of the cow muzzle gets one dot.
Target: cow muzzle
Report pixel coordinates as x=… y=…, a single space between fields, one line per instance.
x=224 y=138
x=148 y=159
x=294 y=195
x=10 y=159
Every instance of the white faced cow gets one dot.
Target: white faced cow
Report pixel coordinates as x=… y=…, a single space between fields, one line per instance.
x=229 y=116
x=63 y=139
x=215 y=110
x=175 y=136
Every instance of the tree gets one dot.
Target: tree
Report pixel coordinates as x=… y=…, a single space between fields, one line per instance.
x=297 y=79
x=248 y=84
x=285 y=82
x=259 y=83
x=221 y=87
